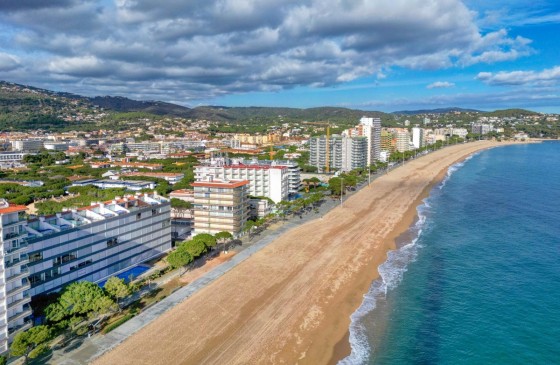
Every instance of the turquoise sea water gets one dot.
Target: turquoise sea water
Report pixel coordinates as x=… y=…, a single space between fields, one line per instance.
x=477 y=280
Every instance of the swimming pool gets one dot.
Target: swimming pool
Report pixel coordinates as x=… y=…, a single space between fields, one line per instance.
x=129 y=274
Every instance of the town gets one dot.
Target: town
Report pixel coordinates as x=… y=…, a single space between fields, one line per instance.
x=116 y=207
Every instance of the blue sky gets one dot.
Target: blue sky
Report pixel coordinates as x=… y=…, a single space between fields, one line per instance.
x=369 y=54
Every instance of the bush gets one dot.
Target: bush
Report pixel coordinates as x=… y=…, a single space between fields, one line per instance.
x=115 y=324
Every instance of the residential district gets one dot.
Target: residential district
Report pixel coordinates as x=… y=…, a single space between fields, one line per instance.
x=89 y=206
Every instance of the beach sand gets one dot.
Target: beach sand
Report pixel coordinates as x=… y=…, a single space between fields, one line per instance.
x=291 y=302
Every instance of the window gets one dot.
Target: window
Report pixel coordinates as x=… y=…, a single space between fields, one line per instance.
x=37 y=256
x=154 y=211
x=112 y=242
x=138 y=216
x=65 y=258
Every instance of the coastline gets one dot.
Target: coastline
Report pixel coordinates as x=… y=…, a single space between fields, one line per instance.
x=343 y=347
x=295 y=297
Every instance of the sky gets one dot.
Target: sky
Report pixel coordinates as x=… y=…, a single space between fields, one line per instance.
x=385 y=55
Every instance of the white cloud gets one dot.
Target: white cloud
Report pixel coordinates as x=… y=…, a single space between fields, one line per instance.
x=215 y=47
x=440 y=85
x=545 y=77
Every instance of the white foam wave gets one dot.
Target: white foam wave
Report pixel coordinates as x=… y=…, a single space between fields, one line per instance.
x=453 y=168
x=391 y=274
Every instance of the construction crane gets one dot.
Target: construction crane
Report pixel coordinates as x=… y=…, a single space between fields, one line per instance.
x=327 y=143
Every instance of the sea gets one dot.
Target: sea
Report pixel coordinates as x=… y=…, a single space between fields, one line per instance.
x=476 y=280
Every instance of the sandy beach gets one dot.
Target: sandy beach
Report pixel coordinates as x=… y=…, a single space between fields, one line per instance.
x=291 y=302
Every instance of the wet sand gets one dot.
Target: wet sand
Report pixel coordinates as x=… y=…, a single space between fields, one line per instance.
x=291 y=302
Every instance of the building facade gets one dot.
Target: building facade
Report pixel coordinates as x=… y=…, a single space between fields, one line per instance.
x=267 y=178
x=371 y=129
x=417 y=137
x=345 y=153
x=15 y=311
x=96 y=242
x=220 y=205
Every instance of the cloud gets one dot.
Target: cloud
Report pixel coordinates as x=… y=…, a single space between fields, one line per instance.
x=545 y=77
x=215 y=47
x=440 y=85
x=8 y=62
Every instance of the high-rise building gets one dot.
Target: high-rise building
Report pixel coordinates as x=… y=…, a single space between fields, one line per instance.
x=220 y=205
x=417 y=137
x=388 y=141
x=403 y=139
x=27 y=145
x=478 y=128
x=15 y=311
x=371 y=129
x=345 y=153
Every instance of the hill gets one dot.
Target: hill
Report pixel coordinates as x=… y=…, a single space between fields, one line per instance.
x=436 y=111
x=511 y=113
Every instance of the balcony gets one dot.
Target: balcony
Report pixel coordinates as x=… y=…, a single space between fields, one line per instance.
x=22 y=327
x=23 y=260
x=26 y=299
x=20 y=248
x=26 y=313
x=22 y=274
x=12 y=235
x=19 y=289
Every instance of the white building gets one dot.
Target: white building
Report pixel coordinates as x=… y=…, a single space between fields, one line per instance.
x=417 y=137
x=96 y=242
x=15 y=311
x=371 y=129
x=274 y=180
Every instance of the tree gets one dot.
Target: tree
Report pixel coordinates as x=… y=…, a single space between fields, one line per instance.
x=180 y=204
x=79 y=300
x=30 y=343
x=223 y=237
x=3 y=360
x=195 y=247
x=335 y=185
x=206 y=238
x=117 y=288
x=180 y=257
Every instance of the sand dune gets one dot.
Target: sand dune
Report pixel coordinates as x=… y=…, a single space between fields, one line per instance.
x=291 y=302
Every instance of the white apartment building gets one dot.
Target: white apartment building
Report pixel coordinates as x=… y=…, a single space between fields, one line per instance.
x=265 y=180
x=417 y=137
x=15 y=310
x=371 y=129
x=96 y=242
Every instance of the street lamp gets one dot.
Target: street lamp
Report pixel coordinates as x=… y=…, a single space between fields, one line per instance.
x=341 y=189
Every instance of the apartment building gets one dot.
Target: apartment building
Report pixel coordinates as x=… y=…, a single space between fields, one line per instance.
x=15 y=310
x=388 y=141
x=220 y=205
x=417 y=137
x=345 y=153
x=271 y=180
x=402 y=139
x=96 y=242
x=371 y=129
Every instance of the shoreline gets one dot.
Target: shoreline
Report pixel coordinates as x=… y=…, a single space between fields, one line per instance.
x=343 y=347
x=293 y=299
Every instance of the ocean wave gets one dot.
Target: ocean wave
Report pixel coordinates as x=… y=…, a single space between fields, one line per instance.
x=453 y=168
x=391 y=274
